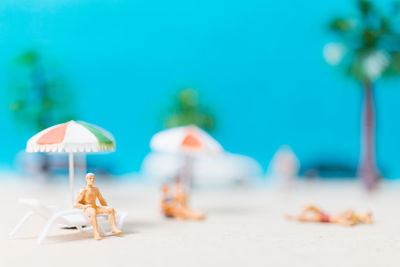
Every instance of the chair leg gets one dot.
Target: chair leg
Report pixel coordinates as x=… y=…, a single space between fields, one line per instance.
x=20 y=223
x=46 y=229
x=100 y=228
x=121 y=220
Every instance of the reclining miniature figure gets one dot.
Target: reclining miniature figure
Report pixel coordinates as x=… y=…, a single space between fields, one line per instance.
x=348 y=217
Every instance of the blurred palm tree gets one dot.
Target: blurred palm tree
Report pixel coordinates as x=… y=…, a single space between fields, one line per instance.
x=369 y=49
x=187 y=110
x=38 y=95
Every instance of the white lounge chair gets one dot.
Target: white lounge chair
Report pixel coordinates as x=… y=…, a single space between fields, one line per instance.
x=65 y=218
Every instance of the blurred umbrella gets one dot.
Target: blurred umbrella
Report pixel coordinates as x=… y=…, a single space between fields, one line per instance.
x=189 y=141
x=185 y=139
x=71 y=137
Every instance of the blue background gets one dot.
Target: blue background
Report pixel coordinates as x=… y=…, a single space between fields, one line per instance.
x=259 y=65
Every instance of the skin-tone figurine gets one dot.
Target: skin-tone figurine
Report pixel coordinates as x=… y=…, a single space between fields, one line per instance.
x=180 y=195
x=346 y=218
x=87 y=201
x=176 y=206
x=169 y=206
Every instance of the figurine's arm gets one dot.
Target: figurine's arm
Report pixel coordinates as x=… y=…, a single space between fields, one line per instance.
x=78 y=201
x=101 y=199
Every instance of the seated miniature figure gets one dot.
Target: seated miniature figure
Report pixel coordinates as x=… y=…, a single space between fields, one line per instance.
x=169 y=207
x=181 y=199
x=347 y=218
x=176 y=206
x=86 y=200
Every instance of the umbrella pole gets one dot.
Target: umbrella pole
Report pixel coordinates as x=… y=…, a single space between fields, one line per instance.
x=84 y=163
x=187 y=175
x=71 y=175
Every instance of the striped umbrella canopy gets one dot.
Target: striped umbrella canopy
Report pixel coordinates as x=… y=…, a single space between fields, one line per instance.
x=185 y=139
x=72 y=137
x=188 y=141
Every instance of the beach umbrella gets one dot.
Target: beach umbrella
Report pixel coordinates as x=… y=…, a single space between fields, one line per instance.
x=71 y=137
x=189 y=140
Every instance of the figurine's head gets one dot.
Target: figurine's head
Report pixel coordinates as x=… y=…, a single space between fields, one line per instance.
x=90 y=179
x=366 y=217
x=165 y=189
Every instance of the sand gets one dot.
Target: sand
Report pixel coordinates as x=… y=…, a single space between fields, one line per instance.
x=244 y=227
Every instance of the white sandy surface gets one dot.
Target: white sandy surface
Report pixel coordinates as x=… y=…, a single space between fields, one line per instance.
x=244 y=227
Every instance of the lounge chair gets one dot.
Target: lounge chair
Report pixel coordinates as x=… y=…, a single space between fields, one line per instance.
x=72 y=218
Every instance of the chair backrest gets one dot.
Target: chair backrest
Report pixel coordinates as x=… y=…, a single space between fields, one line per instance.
x=44 y=211
x=39 y=209
x=77 y=217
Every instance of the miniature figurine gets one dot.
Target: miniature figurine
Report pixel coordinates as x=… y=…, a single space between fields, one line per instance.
x=347 y=218
x=169 y=206
x=86 y=200
x=285 y=167
x=176 y=207
x=181 y=199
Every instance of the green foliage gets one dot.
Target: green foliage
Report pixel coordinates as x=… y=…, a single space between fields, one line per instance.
x=340 y=25
x=38 y=94
x=187 y=110
x=365 y=7
x=372 y=41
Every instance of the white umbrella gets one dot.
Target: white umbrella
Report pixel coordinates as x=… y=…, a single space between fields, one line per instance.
x=189 y=141
x=71 y=137
x=185 y=139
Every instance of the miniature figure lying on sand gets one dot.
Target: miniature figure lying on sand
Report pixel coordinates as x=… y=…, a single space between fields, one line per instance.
x=347 y=218
x=176 y=206
x=87 y=201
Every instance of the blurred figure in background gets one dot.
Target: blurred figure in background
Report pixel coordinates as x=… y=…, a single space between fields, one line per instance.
x=176 y=206
x=285 y=167
x=347 y=218
x=168 y=207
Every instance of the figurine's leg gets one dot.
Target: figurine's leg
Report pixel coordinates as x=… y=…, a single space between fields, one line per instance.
x=184 y=202
x=179 y=214
x=345 y=218
x=91 y=212
x=194 y=215
x=173 y=210
x=304 y=217
x=343 y=221
x=310 y=214
x=312 y=209
x=111 y=217
x=309 y=218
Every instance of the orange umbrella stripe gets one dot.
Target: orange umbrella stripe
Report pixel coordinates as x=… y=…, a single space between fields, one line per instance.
x=191 y=141
x=54 y=136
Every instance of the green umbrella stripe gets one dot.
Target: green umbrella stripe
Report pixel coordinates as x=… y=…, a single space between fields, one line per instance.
x=103 y=139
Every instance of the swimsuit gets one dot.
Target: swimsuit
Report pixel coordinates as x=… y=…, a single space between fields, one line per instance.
x=168 y=200
x=95 y=207
x=167 y=210
x=324 y=218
